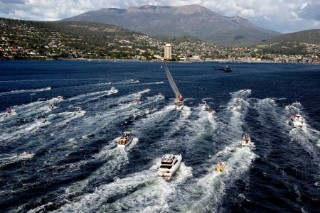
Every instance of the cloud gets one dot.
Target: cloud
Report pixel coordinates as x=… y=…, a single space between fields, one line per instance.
x=279 y=15
x=12 y=1
x=310 y=11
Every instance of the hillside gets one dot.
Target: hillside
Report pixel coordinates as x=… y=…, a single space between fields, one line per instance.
x=307 y=36
x=298 y=43
x=192 y=20
x=70 y=39
x=80 y=40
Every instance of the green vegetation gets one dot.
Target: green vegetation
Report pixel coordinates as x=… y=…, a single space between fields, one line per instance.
x=78 y=40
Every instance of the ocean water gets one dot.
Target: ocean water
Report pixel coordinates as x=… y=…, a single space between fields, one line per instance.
x=74 y=165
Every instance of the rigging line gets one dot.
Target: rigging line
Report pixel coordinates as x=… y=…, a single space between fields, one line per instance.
x=171 y=81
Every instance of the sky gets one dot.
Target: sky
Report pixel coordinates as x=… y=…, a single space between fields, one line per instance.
x=284 y=16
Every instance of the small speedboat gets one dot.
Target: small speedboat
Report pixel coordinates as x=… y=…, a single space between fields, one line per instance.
x=77 y=109
x=220 y=167
x=150 y=110
x=204 y=106
x=211 y=112
x=169 y=165
x=296 y=120
x=137 y=101
x=59 y=98
x=10 y=112
x=246 y=140
x=25 y=155
x=125 y=139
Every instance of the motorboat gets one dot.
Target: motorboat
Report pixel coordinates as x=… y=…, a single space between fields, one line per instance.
x=112 y=90
x=25 y=155
x=220 y=167
x=246 y=140
x=211 y=112
x=296 y=120
x=150 y=110
x=125 y=139
x=137 y=101
x=205 y=106
x=169 y=165
x=159 y=97
x=59 y=98
x=178 y=102
x=77 y=109
x=10 y=112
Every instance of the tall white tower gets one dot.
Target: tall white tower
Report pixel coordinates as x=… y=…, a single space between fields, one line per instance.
x=168 y=51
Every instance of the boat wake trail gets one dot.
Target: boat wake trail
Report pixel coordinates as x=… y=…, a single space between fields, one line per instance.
x=14 y=92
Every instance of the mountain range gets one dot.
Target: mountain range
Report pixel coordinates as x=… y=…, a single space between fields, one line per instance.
x=191 y=20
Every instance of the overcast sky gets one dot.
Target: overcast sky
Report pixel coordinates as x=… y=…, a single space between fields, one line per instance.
x=279 y=15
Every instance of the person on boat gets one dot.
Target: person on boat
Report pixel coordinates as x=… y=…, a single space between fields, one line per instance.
x=220 y=166
x=10 y=111
x=51 y=106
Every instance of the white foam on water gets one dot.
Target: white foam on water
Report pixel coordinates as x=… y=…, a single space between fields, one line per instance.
x=69 y=116
x=14 y=92
x=94 y=95
x=17 y=132
x=210 y=189
x=6 y=159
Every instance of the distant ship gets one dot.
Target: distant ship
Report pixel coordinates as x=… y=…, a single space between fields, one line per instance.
x=225 y=69
x=179 y=99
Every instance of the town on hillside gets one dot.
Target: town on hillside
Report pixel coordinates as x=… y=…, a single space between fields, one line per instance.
x=44 y=40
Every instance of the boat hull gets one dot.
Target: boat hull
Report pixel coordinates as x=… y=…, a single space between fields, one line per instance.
x=296 y=124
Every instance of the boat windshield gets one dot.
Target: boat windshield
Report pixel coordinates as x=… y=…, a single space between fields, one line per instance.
x=165 y=166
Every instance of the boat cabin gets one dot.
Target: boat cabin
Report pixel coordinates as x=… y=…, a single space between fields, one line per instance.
x=126 y=138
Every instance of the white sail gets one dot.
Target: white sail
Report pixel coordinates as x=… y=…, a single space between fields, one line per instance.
x=171 y=81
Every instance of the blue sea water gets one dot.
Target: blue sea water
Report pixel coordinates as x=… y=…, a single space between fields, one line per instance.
x=75 y=166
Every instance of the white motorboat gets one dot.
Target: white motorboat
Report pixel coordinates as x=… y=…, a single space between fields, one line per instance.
x=25 y=155
x=169 y=165
x=77 y=109
x=205 y=106
x=10 y=112
x=137 y=101
x=59 y=98
x=211 y=112
x=125 y=139
x=150 y=110
x=112 y=90
x=296 y=120
x=246 y=140
x=178 y=102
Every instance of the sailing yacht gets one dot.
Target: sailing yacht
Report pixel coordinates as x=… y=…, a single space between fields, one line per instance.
x=179 y=98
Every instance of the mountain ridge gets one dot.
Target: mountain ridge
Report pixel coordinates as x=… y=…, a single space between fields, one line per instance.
x=189 y=20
